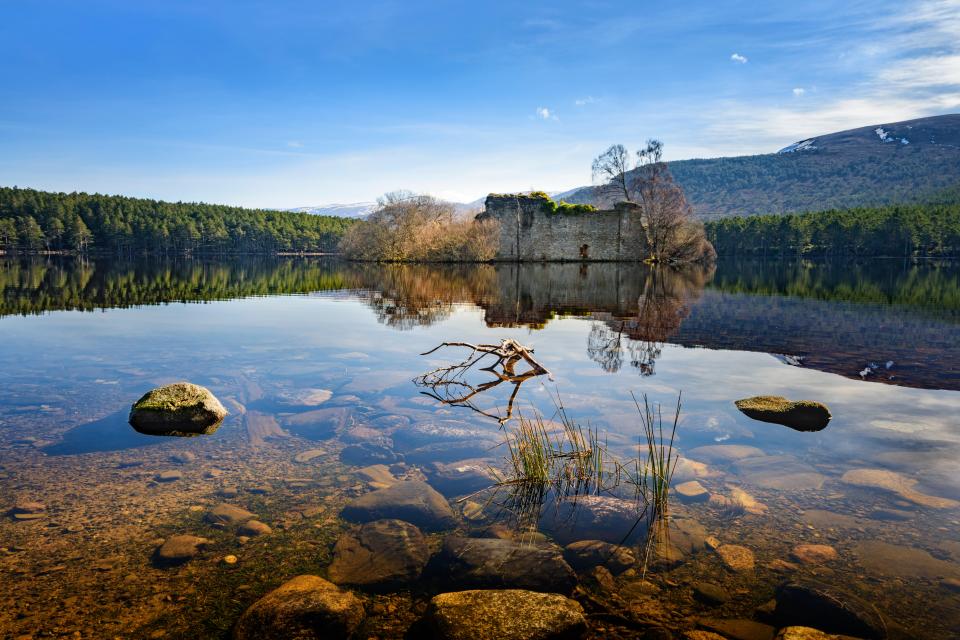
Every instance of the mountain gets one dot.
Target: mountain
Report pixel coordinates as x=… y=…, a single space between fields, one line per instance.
x=911 y=161
x=351 y=210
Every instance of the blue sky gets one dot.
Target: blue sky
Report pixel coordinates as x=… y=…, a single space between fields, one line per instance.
x=299 y=103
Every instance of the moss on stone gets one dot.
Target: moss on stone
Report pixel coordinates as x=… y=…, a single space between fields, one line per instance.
x=177 y=409
x=802 y=415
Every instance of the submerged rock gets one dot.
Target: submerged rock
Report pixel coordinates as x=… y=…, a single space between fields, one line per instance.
x=253 y=528
x=180 y=409
x=725 y=453
x=813 y=553
x=381 y=553
x=807 y=633
x=738 y=629
x=179 y=549
x=895 y=483
x=586 y=554
x=306 y=608
x=594 y=518
x=808 y=602
x=510 y=614
x=905 y=562
x=736 y=558
x=412 y=500
x=691 y=491
x=784 y=473
x=460 y=478
x=493 y=563
x=228 y=514
x=802 y=415
x=28 y=511
x=367 y=453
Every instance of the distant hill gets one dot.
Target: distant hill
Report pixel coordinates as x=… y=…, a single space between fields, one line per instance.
x=901 y=162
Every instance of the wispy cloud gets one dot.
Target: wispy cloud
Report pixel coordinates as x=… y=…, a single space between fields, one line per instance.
x=739 y=59
x=545 y=113
x=295 y=144
x=799 y=91
x=580 y=102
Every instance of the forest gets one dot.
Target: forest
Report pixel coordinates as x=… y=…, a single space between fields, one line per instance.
x=32 y=221
x=921 y=230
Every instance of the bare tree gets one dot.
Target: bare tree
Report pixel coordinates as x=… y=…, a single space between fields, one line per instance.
x=665 y=219
x=610 y=169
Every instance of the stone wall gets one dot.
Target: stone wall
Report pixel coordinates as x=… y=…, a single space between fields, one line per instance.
x=531 y=231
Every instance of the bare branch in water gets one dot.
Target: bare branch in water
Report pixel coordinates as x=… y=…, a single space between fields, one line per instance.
x=447 y=385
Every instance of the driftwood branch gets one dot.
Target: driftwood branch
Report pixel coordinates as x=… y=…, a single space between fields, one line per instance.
x=446 y=383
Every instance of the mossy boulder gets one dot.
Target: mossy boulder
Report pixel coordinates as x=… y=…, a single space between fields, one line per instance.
x=180 y=409
x=509 y=614
x=802 y=415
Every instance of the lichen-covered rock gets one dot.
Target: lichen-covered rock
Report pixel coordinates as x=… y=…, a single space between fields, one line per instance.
x=414 y=501
x=381 y=553
x=180 y=409
x=304 y=608
x=802 y=415
x=509 y=614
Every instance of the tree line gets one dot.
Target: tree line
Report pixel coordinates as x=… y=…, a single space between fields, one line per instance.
x=32 y=221
x=928 y=230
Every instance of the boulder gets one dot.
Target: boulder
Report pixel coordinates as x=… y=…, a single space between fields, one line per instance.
x=509 y=614
x=801 y=415
x=413 y=501
x=180 y=409
x=380 y=553
x=808 y=633
x=179 y=549
x=305 y=608
x=809 y=602
x=884 y=559
x=691 y=491
x=710 y=593
x=493 y=563
x=586 y=554
x=228 y=514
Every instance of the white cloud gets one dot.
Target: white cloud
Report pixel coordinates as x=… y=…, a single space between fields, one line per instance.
x=799 y=91
x=295 y=144
x=584 y=101
x=545 y=114
x=739 y=59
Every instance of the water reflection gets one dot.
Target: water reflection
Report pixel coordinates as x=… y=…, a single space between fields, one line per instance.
x=885 y=321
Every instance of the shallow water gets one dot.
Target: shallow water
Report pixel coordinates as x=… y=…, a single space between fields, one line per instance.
x=878 y=342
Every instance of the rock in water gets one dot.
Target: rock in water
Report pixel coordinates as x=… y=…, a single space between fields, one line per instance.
x=413 y=501
x=802 y=415
x=179 y=549
x=180 y=409
x=808 y=602
x=491 y=563
x=895 y=483
x=510 y=614
x=228 y=514
x=736 y=558
x=383 y=552
x=306 y=608
x=586 y=554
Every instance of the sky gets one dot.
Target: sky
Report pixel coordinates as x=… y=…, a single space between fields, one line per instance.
x=285 y=104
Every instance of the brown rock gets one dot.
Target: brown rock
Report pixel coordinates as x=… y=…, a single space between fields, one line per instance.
x=253 y=528
x=508 y=614
x=304 y=608
x=179 y=549
x=736 y=558
x=813 y=553
x=383 y=552
x=228 y=514
x=691 y=491
x=895 y=483
x=738 y=629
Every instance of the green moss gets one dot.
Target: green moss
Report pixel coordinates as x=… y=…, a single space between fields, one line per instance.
x=171 y=397
x=551 y=206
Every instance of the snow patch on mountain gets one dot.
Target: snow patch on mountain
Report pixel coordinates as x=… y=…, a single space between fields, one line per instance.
x=803 y=145
x=348 y=210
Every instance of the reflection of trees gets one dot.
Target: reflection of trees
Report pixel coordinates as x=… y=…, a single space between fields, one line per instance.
x=406 y=296
x=666 y=298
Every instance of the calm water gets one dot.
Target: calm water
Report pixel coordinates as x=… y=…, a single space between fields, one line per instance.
x=878 y=342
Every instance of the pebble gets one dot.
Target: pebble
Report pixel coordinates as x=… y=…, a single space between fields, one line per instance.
x=231 y=559
x=710 y=593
